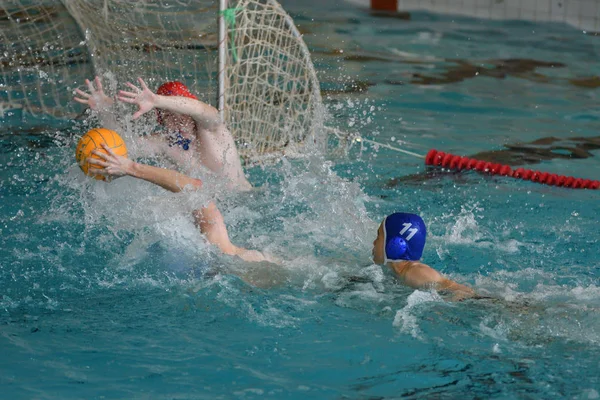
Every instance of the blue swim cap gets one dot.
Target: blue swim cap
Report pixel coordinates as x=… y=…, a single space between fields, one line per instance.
x=404 y=237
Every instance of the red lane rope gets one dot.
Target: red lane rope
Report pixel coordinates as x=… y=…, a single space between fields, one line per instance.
x=451 y=161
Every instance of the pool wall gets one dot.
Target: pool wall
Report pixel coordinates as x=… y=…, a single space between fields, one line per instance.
x=582 y=14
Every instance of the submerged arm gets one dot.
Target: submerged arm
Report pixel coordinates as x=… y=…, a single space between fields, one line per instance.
x=459 y=291
x=419 y=276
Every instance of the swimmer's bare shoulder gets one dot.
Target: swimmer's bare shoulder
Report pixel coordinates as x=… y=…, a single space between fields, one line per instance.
x=421 y=276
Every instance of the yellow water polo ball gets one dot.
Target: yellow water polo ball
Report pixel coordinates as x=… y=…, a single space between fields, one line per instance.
x=91 y=141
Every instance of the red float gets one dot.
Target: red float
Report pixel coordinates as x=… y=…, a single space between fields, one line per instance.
x=454 y=162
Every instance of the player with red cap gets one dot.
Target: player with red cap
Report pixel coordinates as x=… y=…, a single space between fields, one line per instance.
x=194 y=134
x=174 y=88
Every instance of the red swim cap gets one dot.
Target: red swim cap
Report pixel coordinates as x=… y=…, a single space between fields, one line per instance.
x=175 y=88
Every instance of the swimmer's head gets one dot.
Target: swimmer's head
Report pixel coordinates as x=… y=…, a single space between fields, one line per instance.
x=174 y=88
x=401 y=237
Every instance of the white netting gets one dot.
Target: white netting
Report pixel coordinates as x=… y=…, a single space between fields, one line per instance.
x=271 y=86
x=271 y=94
x=41 y=55
x=157 y=40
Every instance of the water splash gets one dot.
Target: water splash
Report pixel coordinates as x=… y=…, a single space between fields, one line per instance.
x=407 y=318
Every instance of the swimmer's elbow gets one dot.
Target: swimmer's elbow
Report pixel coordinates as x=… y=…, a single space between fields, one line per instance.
x=457 y=289
x=207 y=117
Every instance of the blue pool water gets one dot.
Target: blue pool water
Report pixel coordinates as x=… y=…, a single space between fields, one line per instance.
x=108 y=291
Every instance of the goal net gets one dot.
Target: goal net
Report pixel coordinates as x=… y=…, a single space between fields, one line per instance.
x=270 y=83
x=41 y=55
x=262 y=80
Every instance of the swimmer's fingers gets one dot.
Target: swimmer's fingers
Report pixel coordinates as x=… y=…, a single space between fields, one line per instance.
x=82 y=101
x=111 y=156
x=96 y=161
x=83 y=94
x=110 y=151
x=132 y=86
x=99 y=84
x=137 y=115
x=142 y=84
x=102 y=172
x=101 y=154
x=90 y=86
x=127 y=97
x=84 y=98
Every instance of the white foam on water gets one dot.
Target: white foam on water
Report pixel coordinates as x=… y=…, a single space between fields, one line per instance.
x=407 y=318
x=465 y=229
x=364 y=293
x=497 y=330
x=542 y=311
x=590 y=393
x=270 y=314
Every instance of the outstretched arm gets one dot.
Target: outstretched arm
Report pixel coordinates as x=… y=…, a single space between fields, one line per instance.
x=116 y=166
x=205 y=115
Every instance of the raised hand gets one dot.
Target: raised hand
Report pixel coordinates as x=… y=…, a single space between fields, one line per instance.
x=96 y=99
x=144 y=97
x=115 y=166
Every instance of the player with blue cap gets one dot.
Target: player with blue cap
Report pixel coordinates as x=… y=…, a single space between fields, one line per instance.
x=404 y=236
x=399 y=244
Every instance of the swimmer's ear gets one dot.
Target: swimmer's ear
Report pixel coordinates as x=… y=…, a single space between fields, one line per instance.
x=396 y=248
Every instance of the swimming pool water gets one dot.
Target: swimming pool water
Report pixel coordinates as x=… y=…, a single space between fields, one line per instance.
x=108 y=291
